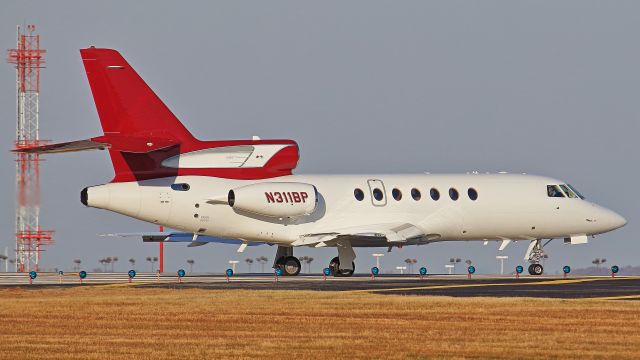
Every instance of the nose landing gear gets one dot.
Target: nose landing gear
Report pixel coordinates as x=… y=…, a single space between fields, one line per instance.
x=536 y=269
x=534 y=255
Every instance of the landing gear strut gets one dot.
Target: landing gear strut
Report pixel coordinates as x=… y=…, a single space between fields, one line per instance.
x=285 y=260
x=535 y=253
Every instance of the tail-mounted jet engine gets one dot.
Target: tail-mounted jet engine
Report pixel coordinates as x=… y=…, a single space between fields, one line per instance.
x=275 y=199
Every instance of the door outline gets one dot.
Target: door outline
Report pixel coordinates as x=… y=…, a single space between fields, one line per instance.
x=377 y=183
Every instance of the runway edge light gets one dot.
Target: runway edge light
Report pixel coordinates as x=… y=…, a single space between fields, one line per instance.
x=614 y=270
x=374 y=272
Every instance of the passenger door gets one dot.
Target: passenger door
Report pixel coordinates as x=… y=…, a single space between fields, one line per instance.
x=378 y=192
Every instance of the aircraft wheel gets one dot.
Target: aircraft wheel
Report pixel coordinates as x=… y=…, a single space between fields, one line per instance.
x=291 y=266
x=334 y=265
x=536 y=269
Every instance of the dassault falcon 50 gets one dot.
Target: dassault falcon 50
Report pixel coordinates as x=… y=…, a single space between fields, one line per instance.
x=245 y=192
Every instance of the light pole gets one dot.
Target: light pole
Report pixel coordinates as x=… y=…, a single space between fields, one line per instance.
x=401 y=268
x=377 y=256
x=450 y=267
x=453 y=262
x=233 y=264
x=502 y=258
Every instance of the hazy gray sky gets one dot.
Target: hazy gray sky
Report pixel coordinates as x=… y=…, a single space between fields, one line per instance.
x=543 y=87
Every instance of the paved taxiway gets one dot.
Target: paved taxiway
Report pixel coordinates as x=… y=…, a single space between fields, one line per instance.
x=622 y=288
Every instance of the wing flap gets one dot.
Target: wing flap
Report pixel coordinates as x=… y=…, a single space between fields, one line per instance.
x=392 y=233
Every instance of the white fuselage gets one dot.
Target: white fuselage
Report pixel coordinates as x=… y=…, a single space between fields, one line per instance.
x=508 y=206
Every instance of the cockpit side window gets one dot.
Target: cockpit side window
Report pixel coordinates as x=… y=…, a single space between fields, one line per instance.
x=569 y=192
x=554 y=191
x=576 y=191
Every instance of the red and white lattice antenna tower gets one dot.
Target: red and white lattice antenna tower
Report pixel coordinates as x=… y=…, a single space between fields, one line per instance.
x=28 y=59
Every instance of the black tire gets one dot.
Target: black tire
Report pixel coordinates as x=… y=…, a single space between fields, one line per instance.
x=290 y=266
x=536 y=269
x=334 y=265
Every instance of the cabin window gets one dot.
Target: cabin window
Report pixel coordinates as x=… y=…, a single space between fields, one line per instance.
x=473 y=194
x=377 y=194
x=453 y=194
x=180 y=187
x=358 y=194
x=435 y=194
x=554 y=191
x=415 y=194
x=397 y=194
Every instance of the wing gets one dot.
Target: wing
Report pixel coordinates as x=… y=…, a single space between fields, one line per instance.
x=192 y=239
x=370 y=235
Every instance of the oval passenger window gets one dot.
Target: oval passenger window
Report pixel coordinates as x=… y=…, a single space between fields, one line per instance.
x=435 y=194
x=473 y=194
x=377 y=194
x=415 y=194
x=453 y=194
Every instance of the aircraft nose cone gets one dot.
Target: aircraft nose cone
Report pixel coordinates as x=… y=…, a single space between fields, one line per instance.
x=618 y=220
x=611 y=220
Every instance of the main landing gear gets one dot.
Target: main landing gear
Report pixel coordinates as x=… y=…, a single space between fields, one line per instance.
x=334 y=266
x=343 y=265
x=285 y=260
x=534 y=255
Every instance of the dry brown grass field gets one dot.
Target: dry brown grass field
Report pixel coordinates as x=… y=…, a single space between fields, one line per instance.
x=133 y=323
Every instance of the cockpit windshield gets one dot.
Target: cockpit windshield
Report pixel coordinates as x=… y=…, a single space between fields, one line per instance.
x=563 y=190
x=576 y=191
x=568 y=191
x=554 y=191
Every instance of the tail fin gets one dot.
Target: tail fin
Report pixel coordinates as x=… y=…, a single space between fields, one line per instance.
x=146 y=141
x=125 y=103
x=130 y=113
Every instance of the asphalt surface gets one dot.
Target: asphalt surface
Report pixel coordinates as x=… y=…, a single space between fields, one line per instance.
x=619 y=288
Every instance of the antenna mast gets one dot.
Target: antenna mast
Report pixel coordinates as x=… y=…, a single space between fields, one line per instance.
x=28 y=59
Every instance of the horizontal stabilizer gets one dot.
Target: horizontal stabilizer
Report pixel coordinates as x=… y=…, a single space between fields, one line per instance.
x=70 y=146
x=123 y=143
